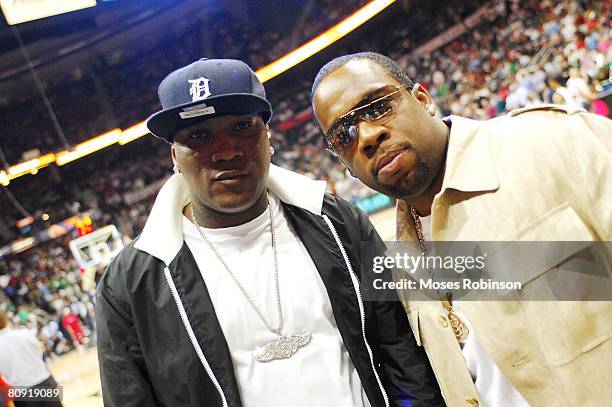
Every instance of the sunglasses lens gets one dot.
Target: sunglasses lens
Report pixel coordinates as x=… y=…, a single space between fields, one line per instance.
x=335 y=137
x=341 y=136
x=378 y=110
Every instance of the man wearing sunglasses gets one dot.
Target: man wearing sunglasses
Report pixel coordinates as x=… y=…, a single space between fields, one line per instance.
x=538 y=174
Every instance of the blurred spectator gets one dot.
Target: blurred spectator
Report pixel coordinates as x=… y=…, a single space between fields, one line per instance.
x=579 y=90
x=5 y=400
x=21 y=360
x=72 y=324
x=559 y=94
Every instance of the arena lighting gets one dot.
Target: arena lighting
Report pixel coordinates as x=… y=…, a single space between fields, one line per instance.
x=323 y=41
x=266 y=73
x=21 y=11
x=28 y=167
x=294 y=57
x=133 y=133
x=21 y=245
x=88 y=147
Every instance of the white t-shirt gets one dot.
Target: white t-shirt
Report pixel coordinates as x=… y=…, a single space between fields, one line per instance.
x=21 y=359
x=319 y=374
x=578 y=90
x=493 y=389
x=568 y=99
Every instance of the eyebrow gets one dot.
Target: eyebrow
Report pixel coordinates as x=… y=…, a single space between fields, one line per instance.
x=204 y=128
x=190 y=130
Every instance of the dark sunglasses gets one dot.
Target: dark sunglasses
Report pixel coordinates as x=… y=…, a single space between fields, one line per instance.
x=346 y=128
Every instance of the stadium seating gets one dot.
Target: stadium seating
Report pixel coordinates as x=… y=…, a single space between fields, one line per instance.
x=519 y=53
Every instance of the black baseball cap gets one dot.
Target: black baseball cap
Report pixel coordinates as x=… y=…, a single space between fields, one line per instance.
x=205 y=89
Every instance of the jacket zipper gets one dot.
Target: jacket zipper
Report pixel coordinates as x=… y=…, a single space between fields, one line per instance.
x=192 y=336
x=360 y=301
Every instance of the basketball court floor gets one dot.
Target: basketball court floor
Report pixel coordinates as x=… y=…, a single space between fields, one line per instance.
x=77 y=372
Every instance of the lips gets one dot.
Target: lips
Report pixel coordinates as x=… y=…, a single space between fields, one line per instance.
x=394 y=167
x=230 y=175
x=385 y=161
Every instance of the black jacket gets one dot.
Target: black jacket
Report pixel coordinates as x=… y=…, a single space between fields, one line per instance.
x=160 y=343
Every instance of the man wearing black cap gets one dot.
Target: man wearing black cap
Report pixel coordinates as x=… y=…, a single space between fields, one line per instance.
x=244 y=287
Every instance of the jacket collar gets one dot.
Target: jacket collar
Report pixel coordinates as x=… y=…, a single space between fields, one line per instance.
x=162 y=236
x=468 y=168
x=468 y=160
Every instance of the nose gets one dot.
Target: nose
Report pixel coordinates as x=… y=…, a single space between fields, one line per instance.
x=226 y=155
x=371 y=135
x=227 y=150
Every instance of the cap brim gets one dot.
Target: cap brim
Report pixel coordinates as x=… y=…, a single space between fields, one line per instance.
x=165 y=123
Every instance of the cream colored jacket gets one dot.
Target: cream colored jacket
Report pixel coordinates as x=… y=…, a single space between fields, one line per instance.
x=540 y=173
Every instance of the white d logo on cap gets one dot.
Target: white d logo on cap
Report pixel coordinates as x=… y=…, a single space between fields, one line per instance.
x=199 y=88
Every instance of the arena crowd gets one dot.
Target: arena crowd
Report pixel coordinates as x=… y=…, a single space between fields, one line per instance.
x=522 y=53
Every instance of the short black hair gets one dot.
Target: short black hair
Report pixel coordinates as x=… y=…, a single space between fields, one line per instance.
x=389 y=65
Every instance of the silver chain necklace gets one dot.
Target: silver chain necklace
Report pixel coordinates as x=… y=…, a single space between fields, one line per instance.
x=285 y=346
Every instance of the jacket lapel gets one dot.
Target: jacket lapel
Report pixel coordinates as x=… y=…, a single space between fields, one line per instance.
x=469 y=172
x=201 y=313
x=325 y=253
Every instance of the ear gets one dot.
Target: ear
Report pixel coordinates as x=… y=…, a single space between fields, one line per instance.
x=422 y=96
x=173 y=153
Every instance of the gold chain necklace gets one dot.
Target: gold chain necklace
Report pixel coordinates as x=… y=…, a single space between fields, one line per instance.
x=459 y=327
